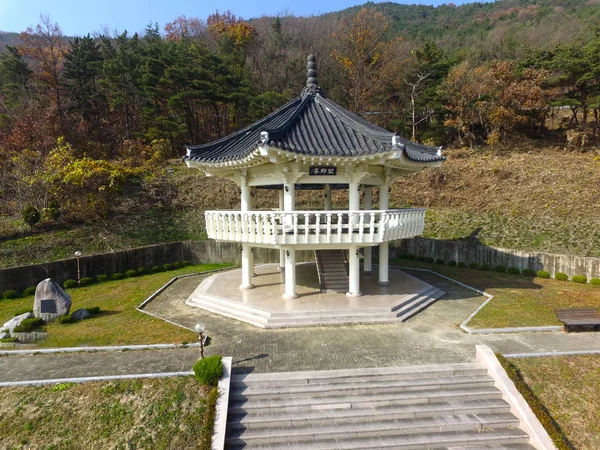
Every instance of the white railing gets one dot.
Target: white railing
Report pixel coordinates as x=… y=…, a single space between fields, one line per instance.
x=314 y=227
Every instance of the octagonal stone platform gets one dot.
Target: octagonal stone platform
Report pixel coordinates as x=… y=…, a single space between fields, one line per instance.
x=264 y=307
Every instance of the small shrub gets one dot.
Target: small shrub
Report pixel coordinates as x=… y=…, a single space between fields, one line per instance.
x=86 y=281
x=400 y=256
x=411 y=257
x=31 y=215
x=421 y=258
x=473 y=266
x=29 y=291
x=595 y=281
x=117 y=276
x=9 y=340
x=11 y=293
x=29 y=324
x=452 y=263
x=63 y=320
x=130 y=273
x=543 y=274
x=176 y=265
x=155 y=269
x=167 y=267
x=500 y=268
x=561 y=276
x=579 y=279
x=186 y=263
x=52 y=212
x=93 y=310
x=141 y=271
x=528 y=272
x=101 y=278
x=439 y=261
x=23 y=311
x=209 y=370
x=69 y=284
x=513 y=270
x=462 y=264
x=484 y=267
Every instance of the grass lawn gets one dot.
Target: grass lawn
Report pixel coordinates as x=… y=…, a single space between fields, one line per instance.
x=519 y=301
x=569 y=387
x=118 y=323
x=161 y=413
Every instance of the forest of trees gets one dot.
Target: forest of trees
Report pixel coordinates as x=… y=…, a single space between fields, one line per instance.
x=80 y=117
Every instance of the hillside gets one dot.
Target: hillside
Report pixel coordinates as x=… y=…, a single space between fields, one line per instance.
x=531 y=199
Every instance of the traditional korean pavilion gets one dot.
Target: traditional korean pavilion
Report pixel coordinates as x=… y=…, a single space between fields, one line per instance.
x=313 y=143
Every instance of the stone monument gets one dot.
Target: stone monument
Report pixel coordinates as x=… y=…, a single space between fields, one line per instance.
x=51 y=300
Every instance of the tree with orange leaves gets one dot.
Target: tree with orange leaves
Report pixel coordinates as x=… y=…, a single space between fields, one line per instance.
x=47 y=47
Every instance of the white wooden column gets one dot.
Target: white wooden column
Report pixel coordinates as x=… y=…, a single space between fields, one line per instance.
x=368 y=251
x=328 y=205
x=281 y=250
x=290 y=273
x=353 y=196
x=354 y=272
x=384 y=247
x=247 y=257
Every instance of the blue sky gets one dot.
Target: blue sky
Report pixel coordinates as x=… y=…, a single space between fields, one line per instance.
x=75 y=17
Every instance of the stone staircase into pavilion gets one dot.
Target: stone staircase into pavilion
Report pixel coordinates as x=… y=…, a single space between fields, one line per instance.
x=332 y=268
x=453 y=406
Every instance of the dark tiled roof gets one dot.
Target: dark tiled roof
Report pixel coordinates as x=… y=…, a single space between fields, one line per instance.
x=314 y=126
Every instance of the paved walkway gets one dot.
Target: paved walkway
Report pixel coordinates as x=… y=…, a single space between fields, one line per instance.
x=430 y=337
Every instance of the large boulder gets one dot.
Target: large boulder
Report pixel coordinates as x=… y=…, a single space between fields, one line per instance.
x=51 y=301
x=9 y=326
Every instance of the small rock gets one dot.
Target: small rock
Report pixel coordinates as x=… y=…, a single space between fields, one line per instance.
x=4 y=334
x=15 y=321
x=50 y=300
x=81 y=314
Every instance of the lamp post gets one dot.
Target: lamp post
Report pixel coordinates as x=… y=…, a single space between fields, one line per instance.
x=200 y=330
x=77 y=255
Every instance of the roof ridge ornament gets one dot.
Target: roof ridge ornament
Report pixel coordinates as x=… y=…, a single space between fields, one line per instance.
x=312 y=86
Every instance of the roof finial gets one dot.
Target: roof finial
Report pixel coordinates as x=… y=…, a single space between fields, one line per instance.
x=311 y=72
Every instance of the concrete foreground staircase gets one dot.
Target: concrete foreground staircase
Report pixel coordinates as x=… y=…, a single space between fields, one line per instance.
x=452 y=406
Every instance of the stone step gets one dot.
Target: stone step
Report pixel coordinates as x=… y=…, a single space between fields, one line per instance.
x=496 y=447
x=367 y=373
x=362 y=414
x=460 y=439
x=285 y=403
x=408 y=300
x=354 y=387
x=232 y=312
x=380 y=427
x=231 y=304
x=344 y=320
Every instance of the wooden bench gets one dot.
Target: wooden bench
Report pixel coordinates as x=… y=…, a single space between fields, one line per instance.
x=579 y=317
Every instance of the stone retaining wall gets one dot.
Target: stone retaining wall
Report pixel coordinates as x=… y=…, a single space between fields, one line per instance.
x=197 y=252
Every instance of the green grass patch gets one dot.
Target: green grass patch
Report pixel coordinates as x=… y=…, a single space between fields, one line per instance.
x=568 y=387
x=518 y=301
x=162 y=413
x=118 y=322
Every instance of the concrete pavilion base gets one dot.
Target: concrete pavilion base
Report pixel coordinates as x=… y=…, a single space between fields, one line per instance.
x=264 y=306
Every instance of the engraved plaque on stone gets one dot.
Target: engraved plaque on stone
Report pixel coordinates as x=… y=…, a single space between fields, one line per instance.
x=48 y=306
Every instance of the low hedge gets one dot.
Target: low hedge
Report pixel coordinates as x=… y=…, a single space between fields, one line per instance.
x=155 y=269
x=579 y=279
x=86 y=281
x=513 y=270
x=209 y=370
x=116 y=276
x=561 y=276
x=462 y=264
x=428 y=260
x=29 y=291
x=141 y=271
x=10 y=294
x=63 y=320
x=130 y=273
x=9 y=340
x=23 y=311
x=500 y=268
x=528 y=272
x=29 y=325
x=452 y=263
x=595 y=281
x=484 y=267
x=411 y=257
x=101 y=278
x=543 y=274
x=473 y=266
x=439 y=261
x=177 y=265
x=538 y=408
x=167 y=267
x=69 y=284
x=93 y=310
